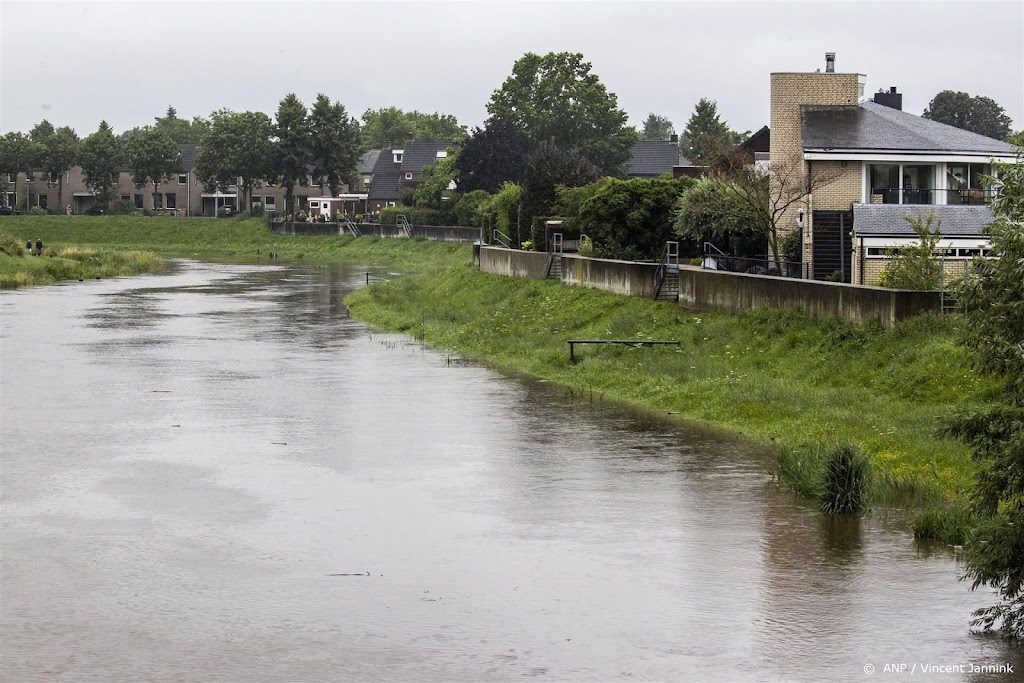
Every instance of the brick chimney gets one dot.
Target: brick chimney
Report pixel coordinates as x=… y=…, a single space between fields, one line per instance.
x=891 y=99
x=830 y=62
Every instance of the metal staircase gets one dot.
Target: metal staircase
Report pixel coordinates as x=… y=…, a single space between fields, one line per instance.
x=404 y=224
x=350 y=227
x=666 y=277
x=553 y=268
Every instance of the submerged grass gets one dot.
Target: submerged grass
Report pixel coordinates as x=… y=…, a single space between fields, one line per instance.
x=73 y=263
x=773 y=375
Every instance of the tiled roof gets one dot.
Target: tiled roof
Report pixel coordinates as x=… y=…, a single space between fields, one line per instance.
x=654 y=157
x=887 y=219
x=875 y=127
x=368 y=160
x=188 y=156
x=420 y=153
x=385 y=186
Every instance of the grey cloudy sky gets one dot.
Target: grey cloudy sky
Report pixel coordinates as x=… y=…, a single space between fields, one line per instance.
x=75 y=63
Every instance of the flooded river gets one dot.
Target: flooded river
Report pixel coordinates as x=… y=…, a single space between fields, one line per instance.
x=214 y=474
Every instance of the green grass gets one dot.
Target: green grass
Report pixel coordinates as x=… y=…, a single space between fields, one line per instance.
x=68 y=263
x=228 y=239
x=772 y=375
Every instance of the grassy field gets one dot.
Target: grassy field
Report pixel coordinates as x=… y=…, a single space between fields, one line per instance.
x=773 y=375
x=228 y=239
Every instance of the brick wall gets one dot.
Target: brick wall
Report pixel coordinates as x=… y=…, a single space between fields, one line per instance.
x=790 y=91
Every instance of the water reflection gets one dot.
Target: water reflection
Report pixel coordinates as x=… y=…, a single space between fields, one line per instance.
x=214 y=474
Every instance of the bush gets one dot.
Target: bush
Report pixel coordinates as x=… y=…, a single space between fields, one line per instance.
x=122 y=207
x=844 y=488
x=9 y=244
x=37 y=211
x=915 y=266
x=257 y=210
x=425 y=217
x=586 y=247
x=944 y=525
x=389 y=214
x=95 y=210
x=222 y=212
x=527 y=245
x=792 y=247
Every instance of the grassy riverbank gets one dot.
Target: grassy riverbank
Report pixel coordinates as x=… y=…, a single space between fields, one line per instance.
x=772 y=375
x=228 y=239
x=67 y=263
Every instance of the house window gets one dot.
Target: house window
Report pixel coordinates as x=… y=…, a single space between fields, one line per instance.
x=183 y=179
x=314 y=205
x=392 y=204
x=42 y=200
x=171 y=200
x=269 y=203
x=138 y=201
x=408 y=176
x=12 y=177
x=442 y=154
x=966 y=185
x=11 y=199
x=398 y=157
x=53 y=178
x=901 y=184
x=126 y=198
x=158 y=201
x=367 y=179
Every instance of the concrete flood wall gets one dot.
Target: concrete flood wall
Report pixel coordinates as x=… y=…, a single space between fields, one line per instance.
x=439 y=233
x=701 y=289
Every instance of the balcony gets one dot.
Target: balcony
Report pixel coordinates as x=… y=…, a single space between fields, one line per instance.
x=895 y=195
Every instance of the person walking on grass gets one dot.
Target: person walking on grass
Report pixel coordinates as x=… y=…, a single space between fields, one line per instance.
x=39 y=247
x=28 y=247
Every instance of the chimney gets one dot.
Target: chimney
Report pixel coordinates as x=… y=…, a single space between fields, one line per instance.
x=891 y=99
x=830 y=62
x=673 y=138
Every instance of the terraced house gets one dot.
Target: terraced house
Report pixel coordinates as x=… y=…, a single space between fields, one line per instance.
x=884 y=164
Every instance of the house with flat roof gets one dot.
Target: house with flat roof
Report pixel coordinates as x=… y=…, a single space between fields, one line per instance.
x=875 y=154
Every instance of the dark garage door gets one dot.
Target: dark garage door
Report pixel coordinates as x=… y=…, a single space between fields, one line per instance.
x=832 y=244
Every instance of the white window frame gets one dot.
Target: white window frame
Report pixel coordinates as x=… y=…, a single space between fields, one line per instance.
x=183 y=178
x=269 y=203
x=398 y=157
x=314 y=204
x=408 y=176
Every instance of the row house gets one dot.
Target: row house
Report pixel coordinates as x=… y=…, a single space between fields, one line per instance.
x=181 y=193
x=398 y=169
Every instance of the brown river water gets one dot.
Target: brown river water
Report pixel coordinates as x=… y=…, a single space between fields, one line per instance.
x=214 y=475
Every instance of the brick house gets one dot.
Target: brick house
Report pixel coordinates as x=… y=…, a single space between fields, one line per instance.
x=877 y=154
x=399 y=168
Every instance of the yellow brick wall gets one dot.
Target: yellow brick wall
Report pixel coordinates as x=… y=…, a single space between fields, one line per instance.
x=873 y=267
x=789 y=91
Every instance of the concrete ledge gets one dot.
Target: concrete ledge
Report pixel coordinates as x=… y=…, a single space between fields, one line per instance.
x=712 y=290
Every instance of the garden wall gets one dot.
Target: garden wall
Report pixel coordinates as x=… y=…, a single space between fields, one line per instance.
x=701 y=289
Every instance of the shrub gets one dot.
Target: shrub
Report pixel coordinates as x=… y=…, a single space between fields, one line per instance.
x=527 y=245
x=915 y=266
x=37 y=211
x=9 y=244
x=944 y=525
x=389 y=214
x=844 y=487
x=257 y=210
x=586 y=247
x=122 y=207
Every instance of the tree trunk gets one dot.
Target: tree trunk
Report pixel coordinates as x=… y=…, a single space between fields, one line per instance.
x=60 y=193
x=289 y=202
x=156 y=191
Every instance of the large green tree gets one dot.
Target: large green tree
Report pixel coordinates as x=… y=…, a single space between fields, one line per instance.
x=293 y=147
x=707 y=137
x=237 y=147
x=17 y=155
x=632 y=219
x=710 y=212
x=992 y=297
x=335 y=151
x=556 y=98
x=101 y=158
x=41 y=131
x=981 y=115
x=657 y=128
x=152 y=157
x=493 y=155
x=59 y=152
x=181 y=131
x=436 y=183
x=548 y=167
x=393 y=126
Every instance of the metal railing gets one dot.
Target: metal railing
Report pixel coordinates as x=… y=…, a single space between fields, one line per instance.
x=669 y=260
x=501 y=238
x=403 y=222
x=352 y=228
x=895 y=195
x=716 y=259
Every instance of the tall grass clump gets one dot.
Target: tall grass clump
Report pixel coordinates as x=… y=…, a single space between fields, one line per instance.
x=11 y=245
x=801 y=469
x=844 y=486
x=949 y=525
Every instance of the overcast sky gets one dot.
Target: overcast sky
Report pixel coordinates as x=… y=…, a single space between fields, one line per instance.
x=76 y=63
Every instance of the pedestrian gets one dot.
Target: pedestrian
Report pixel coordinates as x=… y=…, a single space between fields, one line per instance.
x=28 y=247
x=69 y=209
x=39 y=247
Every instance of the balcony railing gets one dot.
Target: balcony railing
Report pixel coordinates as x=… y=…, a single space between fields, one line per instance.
x=895 y=195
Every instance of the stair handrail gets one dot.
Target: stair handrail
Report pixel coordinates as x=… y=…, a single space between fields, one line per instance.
x=501 y=238
x=404 y=224
x=347 y=224
x=669 y=256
